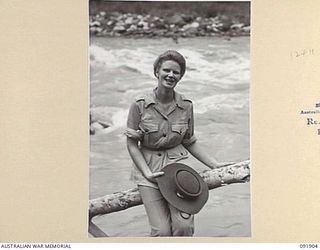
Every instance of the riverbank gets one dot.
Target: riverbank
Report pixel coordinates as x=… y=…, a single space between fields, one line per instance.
x=117 y=24
x=168 y=19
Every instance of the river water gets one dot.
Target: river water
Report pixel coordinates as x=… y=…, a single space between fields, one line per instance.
x=217 y=80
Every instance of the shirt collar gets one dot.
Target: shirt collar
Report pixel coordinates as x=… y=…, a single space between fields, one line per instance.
x=151 y=99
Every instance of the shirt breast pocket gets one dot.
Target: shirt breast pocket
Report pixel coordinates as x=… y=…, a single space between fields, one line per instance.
x=179 y=128
x=150 y=127
x=150 y=133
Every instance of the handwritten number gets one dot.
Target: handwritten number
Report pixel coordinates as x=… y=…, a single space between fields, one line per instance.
x=304 y=52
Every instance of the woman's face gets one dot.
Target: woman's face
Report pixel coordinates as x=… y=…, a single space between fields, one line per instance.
x=169 y=74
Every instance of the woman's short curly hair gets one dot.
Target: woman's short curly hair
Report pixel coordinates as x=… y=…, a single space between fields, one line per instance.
x=170 y=55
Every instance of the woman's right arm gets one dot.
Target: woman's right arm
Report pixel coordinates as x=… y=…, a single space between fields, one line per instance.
x=139 y=160
x=132 y=145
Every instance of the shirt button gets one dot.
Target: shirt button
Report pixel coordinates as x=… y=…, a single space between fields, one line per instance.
x=159 y=154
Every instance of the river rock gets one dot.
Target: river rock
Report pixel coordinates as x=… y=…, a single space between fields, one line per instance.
x=191 y=28
x=133 y=27
x=98 y=17
x=225 y=23
x=246 y=29
x=95 y=24
x=236 y=26
x=140 y=24
x=176 y=19
x=119 y=28
x=101 y=115
x=95 y=30
x=215 y=30
x=115 y=13
x=95 y=127
x=208 y=27
x=159 y=24
x=129 y=20
x=192 y=25
x=187 y=18
x=214 y=19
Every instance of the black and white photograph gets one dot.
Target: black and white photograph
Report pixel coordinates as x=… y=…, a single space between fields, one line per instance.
x=169 y=119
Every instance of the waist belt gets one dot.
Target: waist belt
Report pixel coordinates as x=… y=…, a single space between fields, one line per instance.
x=157 y=149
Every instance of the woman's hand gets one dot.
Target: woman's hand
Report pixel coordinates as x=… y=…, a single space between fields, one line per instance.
x=135 y=134
x=152 y=177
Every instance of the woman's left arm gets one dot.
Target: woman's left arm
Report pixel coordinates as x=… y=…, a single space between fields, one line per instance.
x=190 y=143
x=202 y=156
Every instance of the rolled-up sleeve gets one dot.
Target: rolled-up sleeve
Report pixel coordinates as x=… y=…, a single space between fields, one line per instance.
x=189 y=137
x=134 y=117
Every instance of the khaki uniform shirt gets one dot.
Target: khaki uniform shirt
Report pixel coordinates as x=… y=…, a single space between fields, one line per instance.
x=164 y=135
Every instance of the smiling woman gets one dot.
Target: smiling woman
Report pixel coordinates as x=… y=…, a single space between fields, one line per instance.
x=160 y=131
x=169 y=74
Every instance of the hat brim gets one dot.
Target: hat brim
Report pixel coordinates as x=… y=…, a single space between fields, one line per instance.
x=167 y=187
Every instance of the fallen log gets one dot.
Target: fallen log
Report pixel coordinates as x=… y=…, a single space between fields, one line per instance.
x=95 y=231
x=236 y=173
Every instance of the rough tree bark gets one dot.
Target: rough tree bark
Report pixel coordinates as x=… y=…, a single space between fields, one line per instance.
x=236 y=173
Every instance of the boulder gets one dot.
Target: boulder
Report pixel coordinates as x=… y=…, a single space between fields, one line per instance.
x=119 y=28
x=176 y=19
x=215 y=30
x=225 y=23
x=140 y=24
x=115 y=13
x=159 y=24
x=205 y=25
x=187 y=18
x=195 y=24
x=246 y=29
x=95 y=24
x=111 y=23
x=95 y=30
x=236 y=26
x=94 y=127
x=129 y=20
x=104 y=22
x=192 y=26
x=133 y=27
x=208 y=28
x=98 y=17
